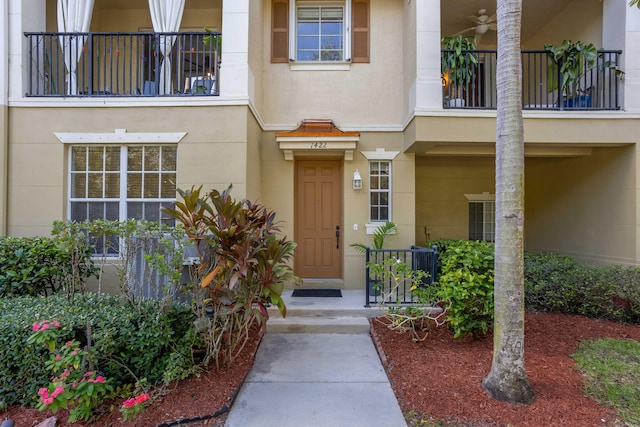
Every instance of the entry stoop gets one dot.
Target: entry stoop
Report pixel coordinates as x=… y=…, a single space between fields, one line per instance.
x=318 y=325
x=327 y=315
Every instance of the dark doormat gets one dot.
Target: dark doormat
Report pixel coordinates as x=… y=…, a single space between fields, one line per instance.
x=316 y=293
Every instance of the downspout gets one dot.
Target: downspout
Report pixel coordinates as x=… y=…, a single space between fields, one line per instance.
x=4 y=108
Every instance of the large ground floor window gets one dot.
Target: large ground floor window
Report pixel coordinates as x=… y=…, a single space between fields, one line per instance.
x=119 y=182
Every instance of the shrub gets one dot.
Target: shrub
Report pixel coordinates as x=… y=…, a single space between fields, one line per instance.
x=466 y=287
x=127 y=344
x=559 y=283
x=42 y=266
x=243 y=266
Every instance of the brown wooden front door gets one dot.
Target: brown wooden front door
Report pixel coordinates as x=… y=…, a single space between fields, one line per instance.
x=318 y=219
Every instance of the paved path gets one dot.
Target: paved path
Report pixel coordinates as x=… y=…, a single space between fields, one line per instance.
x=316 y=380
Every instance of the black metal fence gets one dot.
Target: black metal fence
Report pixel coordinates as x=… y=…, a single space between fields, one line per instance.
x=123 y=64
x=389 y=282
x=597 y=87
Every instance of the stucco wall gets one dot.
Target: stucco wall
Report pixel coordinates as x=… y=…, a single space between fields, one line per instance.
x=365 y=95
x=442 y=210
x=212 y=154
x=583 y=206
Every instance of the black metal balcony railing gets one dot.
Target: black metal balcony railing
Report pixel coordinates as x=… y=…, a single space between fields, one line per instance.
x=597 y=87
x=123 y=64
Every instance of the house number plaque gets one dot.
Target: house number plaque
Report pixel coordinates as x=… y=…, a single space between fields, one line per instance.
x=319 y=145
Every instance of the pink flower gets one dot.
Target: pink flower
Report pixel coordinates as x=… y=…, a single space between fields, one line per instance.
x=44 y=327
x=56 y=324
x=35 y=326
x=48 y=401
x=74 y=352
x=129 y=403
x=69 y=344
x=43 y=392
x=100 y=379
x=142 y=398
x=57 y=357
x=88 y=373
x=57 y=391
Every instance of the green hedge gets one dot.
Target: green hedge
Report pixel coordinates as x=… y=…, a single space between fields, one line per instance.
x=559 y=283
x=42 y=266
x=128 y=344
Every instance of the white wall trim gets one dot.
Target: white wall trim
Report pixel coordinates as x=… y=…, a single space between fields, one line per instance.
x=119 y=136
x=380 y=154
x=484 y=197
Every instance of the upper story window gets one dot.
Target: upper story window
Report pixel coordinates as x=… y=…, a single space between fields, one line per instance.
x=380 y=191
x=319 y=31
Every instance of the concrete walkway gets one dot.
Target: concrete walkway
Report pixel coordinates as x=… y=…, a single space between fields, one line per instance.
x=317 y=379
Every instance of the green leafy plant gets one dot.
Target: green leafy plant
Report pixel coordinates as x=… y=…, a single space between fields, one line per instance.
x=133 y=406
x=380 y=235
x=75 y=386
x=466 y=287
x=571 y=60
x=459 y=62
x=422 y=313
x=128 y=345
x=243 y=266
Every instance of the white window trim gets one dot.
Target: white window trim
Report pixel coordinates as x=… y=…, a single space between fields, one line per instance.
x=372 y=225
x=120 y=136
x=483 y=198
x=293 y=36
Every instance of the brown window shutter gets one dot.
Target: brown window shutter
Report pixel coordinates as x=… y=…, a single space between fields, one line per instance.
x=280 y=30
x=360 y=31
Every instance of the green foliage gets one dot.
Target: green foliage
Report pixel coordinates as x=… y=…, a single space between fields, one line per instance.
x=466 y=287
x=572 y=60
x=243 y=266
x=413 y=318
x=459 y=62
x=73 y=385
x=127 y=344
x=612 y=371
x=559 y=283
x=380 y=234
x=43 y=266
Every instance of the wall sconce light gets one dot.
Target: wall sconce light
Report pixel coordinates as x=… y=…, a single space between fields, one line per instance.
x=357 y=180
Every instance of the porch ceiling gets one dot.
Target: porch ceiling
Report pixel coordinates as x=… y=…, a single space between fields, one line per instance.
x=144 y=4
x=535 y=14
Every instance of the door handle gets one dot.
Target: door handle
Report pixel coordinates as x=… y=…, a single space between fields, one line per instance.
x=337 y=237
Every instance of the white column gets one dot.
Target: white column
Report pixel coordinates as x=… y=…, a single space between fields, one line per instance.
x=428 y=82
x=631 y=59
x=234 y=72
x=4 y=95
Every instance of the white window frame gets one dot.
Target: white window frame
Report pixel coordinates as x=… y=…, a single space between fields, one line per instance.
x=488 y=202
x=389 y=192
x=293 y=33
x=124 y=173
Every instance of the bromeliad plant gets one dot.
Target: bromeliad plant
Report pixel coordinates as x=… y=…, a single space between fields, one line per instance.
x=243 y=266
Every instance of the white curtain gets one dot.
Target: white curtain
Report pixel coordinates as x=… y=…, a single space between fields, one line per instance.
x=74 y=16
x=166 y=16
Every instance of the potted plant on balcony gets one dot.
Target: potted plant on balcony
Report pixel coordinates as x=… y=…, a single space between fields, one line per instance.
x=380 y=234
x=459 y=66
x=569 y=62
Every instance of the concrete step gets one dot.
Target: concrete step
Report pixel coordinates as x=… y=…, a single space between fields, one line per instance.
x=318 y=325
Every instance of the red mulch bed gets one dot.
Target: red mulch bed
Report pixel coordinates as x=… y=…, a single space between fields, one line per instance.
x=439 y=379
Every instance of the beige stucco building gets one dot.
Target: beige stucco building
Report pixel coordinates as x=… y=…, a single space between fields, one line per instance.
x=293 y=98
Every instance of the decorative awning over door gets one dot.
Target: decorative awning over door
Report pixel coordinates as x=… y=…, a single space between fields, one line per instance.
x=317 y=138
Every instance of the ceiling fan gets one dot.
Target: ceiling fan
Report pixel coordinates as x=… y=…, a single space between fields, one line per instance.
x=483 y=23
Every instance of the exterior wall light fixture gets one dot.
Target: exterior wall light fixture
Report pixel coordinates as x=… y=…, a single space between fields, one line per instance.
x=357 y=180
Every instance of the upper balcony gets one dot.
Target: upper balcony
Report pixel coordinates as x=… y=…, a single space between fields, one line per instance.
x=123 y=64
x=596 y=87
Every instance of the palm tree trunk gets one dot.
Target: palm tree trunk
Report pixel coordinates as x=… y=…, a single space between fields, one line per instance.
x=507 y=380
